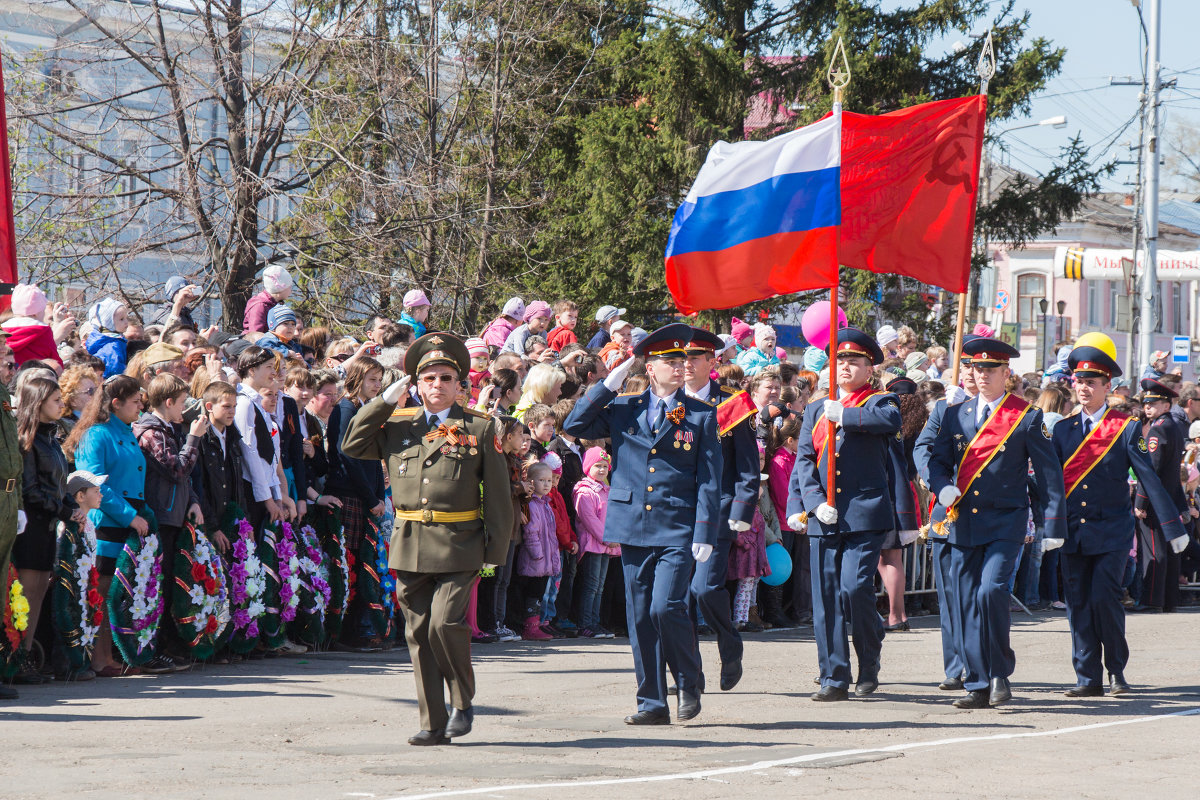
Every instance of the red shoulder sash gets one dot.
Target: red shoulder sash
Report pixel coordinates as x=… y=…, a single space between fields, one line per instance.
x=820 y=432
x=733 y=410
x=991 y=437
x=1094 y=447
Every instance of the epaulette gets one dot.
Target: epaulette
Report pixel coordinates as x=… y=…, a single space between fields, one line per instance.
x=1074 y=413
x=410 y=411
x=473 y=412
x=629 y=394
x=728 y=389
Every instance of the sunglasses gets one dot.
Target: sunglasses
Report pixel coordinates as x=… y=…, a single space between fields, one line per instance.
x=341 y=357
x=430 y=380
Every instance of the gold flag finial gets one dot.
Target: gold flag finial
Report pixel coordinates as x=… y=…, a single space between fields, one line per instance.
x=839 y=71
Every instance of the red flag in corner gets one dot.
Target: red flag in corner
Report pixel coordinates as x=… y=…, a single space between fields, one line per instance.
x=8 y=237
x=909 y=183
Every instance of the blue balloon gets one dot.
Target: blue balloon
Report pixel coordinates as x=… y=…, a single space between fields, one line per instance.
x=780 y=562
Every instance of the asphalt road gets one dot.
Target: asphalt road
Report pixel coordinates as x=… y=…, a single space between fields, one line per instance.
x=549 y=725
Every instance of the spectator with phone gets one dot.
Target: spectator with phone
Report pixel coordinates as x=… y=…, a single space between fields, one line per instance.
x=177 y=310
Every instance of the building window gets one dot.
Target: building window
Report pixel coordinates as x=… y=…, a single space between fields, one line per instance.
x=1030 y=289
x=1177 y=322
x=1093 y=303
x=1113 y=293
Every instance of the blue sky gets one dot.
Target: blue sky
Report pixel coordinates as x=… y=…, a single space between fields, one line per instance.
x=1102 y=41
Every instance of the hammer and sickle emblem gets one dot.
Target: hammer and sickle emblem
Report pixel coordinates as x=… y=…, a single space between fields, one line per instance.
x=951 y=160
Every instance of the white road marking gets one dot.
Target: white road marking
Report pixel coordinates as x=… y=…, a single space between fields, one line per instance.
x=760 y=765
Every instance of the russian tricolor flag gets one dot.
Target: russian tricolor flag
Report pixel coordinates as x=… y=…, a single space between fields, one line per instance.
x=761 y=220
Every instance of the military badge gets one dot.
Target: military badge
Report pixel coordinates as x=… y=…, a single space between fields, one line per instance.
x=1153 y=445
x=1045 y=430
x=1142 y=443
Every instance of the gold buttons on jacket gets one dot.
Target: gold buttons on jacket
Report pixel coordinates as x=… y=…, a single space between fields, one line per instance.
x=1084 y=486
x=653 y=451
x=838 y=472
x=425 y=480
x=647 y=508
x=974 y=510
x=652 y=469
x=424 y=500
x=429 y=463
x=1083 y=504
x=839 y=490
x=977 y=493
x=649 y=488
x=1082 y=521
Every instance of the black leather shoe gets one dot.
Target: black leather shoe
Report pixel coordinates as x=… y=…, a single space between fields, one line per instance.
x=689 y=705
x=951 y=684
x=1117 y=684
x=731 y=673
x=975 y=699
x=649 y=718
x=460 y=722
x=1083 y=690
x=868 y=680
x=830 y=694
x=427 y=738
x=1001 y=692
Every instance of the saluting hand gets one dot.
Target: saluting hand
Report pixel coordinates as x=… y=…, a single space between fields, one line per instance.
x=393 y=393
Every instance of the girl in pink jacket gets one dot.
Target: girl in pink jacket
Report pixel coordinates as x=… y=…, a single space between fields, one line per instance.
x=591 y=506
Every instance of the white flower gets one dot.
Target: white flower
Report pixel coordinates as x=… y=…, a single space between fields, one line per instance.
x=256 y=609
x=140 y=607
x=293 y=564
x=196 y=595
x=253 y=565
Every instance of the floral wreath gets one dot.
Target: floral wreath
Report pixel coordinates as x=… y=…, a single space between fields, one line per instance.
x=135 y=600
x=270 y=624
x=338 y=570
x=16 y=621
x=375 y=582
x=247 y=583
x=77 y=604
x=315 y=592
x=200 y=602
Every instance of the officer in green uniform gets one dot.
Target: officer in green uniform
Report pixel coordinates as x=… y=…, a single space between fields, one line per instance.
x=12 y=518
x=439 y=456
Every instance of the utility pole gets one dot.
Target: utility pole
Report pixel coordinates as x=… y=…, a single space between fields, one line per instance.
x=1149 y=319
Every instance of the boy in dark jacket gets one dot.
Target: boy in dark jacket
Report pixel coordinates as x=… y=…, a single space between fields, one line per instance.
x=217 y=478
x=169 y=463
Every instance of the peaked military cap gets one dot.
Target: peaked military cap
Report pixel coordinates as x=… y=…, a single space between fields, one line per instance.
x=669 y=340
x=438 y=348
x=1152 y=389
x=704 y=342
x=1092 y=362
x=853 y=342
x=987 y=352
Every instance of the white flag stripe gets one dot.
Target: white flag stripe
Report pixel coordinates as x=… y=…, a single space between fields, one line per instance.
x=738 y=165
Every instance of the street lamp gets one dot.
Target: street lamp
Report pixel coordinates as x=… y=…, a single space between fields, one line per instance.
x=1054 y=122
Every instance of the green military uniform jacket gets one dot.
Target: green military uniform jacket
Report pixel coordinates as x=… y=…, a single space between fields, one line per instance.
x=433 y=475
x=11 y=464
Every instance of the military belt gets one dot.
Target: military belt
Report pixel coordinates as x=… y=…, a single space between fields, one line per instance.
x=10 y=486
x=427 y=516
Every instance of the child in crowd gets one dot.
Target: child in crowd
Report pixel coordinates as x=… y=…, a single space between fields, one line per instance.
x=537 y=557
x=478 y=350
x=416 y=311
x=277 y=288
x=566 y=316
x=605 y=317
x=169 y=491
x=590 y=497
x=108 y=318
x=754 y=359
x=571 y=457
x=537 y=320
x=556 y=604
x=282 y=329
x=217 y=480
x=30 y=337
x=256 y=368
x=620 y=347
x=497 y=331
x=748 y=562
x=540 y=420
x=511 y=434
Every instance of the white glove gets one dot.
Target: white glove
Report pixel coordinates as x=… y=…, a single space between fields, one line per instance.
x=908 y=537
x=833 y=411
x=20 y=522
x=616 y=378
x=737 y=526
x=948 y=495
x=955 y=395
x=491 y=566
x=827 y=514
x=1049 y=544
x=1178 y=544
x=393 y=393
x=796 y=522
x=701 y=552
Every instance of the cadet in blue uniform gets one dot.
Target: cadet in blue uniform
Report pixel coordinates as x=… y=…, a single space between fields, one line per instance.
x=953 y=663
x=847 y=537
x=1097 y=447
x=1165 y=440
x=739 y=496
x=978 y=469
x=663 y=509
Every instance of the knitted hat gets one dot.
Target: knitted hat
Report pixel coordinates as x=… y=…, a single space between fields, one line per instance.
x=915 y=360
x=515 y=308
x=278 y=315
x=815 y=359
x=28 y=301
x=101 y=314
x=729 y=343
x=276 y=279
x=477 y=348
x=762 y=330
x=538 y=308
x=740 y=330
x=415 y=298
x=592 y=456
x=553 y=461
x=886 y=335
x=173 y=285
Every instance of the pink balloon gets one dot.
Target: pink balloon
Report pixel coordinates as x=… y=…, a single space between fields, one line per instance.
x=815 y=323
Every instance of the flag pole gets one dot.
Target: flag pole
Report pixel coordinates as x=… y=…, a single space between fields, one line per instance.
x=985 y=68
x=839 y=79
